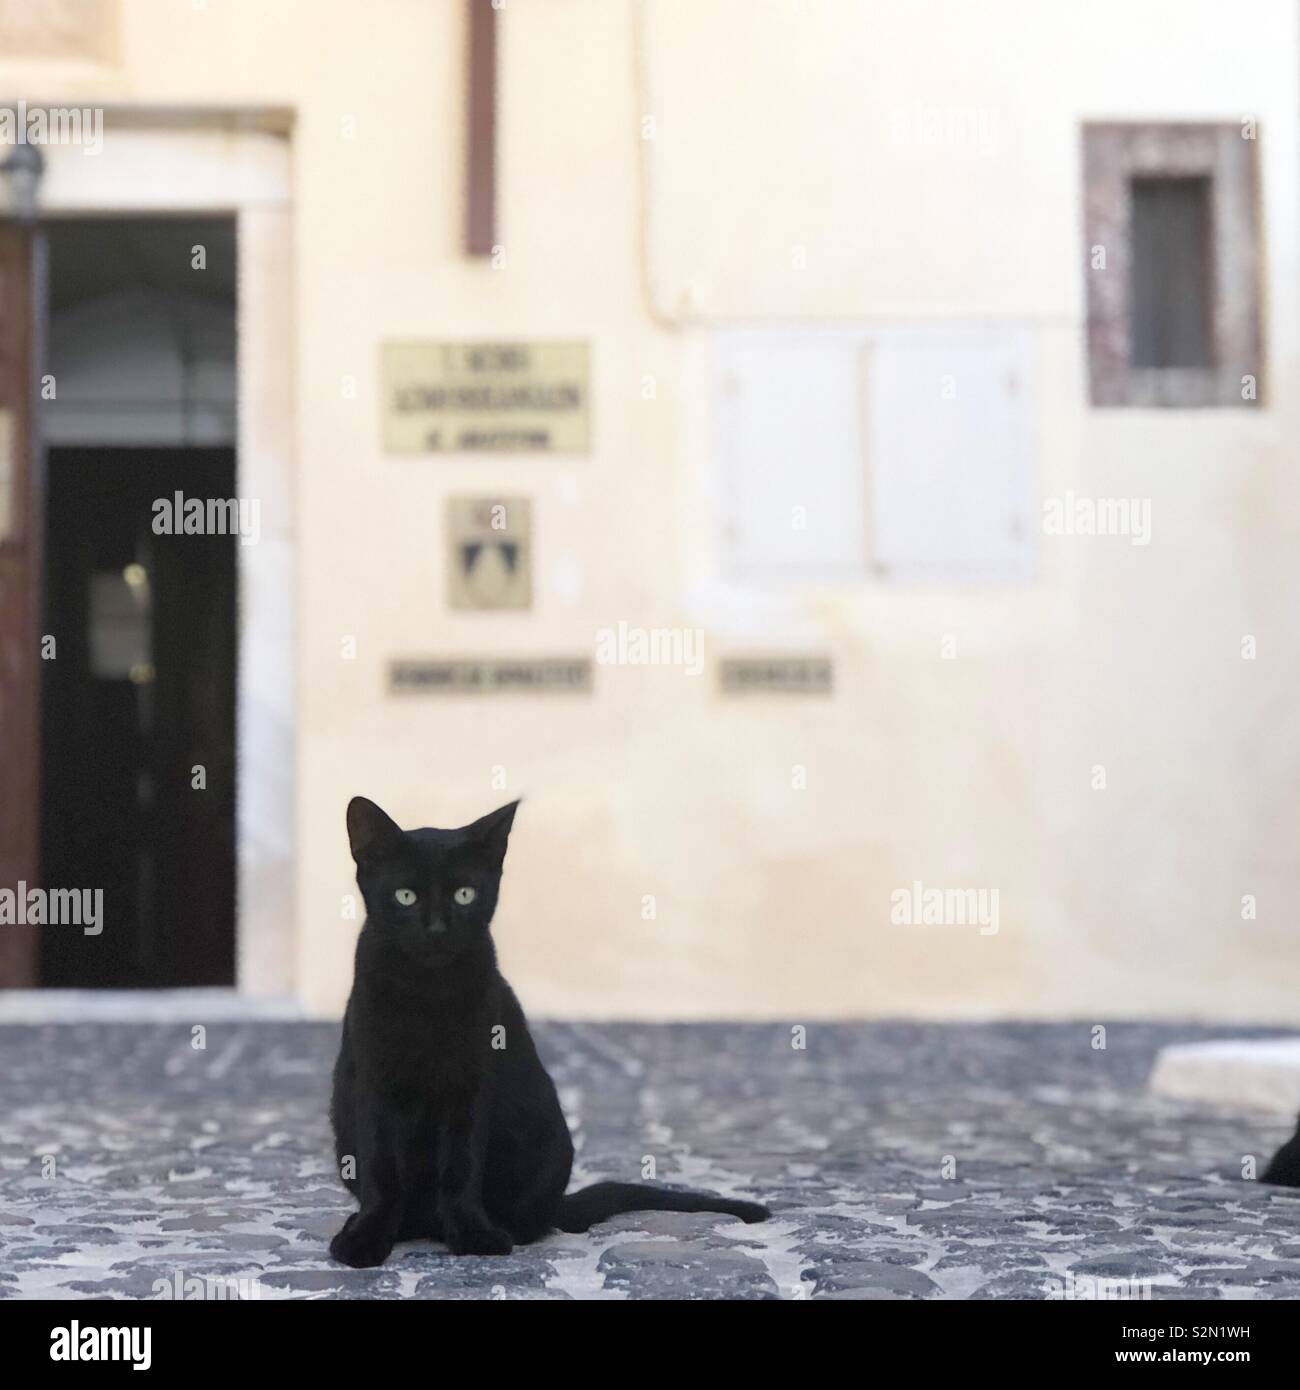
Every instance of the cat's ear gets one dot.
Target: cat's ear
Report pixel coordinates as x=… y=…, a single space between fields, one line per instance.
x=370 y=830
x=491 y=832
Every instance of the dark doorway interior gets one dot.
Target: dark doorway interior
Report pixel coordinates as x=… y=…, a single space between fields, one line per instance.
x=138 y=704
x=141 y=693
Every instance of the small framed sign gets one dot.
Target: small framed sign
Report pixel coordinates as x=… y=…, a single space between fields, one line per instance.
x=508 y=397
x=489 y=553
x=493 y=675
x=784 y=675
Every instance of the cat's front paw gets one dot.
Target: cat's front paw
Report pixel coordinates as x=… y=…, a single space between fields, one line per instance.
x=360 y=1244
x=479 y=1238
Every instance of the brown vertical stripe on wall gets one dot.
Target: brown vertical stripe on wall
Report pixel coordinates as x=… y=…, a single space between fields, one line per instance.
x=481 y=130
x=20 y=596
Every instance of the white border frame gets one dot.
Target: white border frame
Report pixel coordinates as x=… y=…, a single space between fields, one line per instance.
x=234 y=162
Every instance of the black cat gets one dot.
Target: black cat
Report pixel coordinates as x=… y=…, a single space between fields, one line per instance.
x=1285 y=1167
x=446 y=1124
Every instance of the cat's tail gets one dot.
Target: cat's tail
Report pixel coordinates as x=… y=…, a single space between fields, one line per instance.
x=1285 y=1167
x=581 y=1210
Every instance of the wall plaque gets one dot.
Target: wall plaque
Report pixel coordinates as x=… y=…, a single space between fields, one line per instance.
x=488 y=675
x=489 y=552
x=520 y=397
x=786 y=675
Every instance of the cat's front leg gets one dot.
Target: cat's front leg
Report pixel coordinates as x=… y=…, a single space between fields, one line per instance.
x=366 y=1239
x=467 y=1227
x=469 y=1230
x=368 y=1235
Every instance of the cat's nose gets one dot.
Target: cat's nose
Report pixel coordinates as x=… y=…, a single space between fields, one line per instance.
x=437 y=925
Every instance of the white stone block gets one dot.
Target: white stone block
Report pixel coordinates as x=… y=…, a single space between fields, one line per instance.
x=1258 y=1073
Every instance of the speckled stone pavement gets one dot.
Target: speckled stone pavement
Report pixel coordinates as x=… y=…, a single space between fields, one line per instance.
x=901 y=1160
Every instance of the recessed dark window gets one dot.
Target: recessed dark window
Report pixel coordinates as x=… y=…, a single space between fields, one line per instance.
x=1171 y=288
x=1174 y=257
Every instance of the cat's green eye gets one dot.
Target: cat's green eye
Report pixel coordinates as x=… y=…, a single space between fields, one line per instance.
x=464 y=896
x=405 y=896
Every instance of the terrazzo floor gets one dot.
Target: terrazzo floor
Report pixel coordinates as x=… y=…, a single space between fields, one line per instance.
x=901 y=1161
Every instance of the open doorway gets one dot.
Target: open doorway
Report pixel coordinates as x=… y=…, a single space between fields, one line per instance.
x=138 y=706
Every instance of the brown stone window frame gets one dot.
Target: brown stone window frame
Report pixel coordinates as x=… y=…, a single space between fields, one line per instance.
x=1114 y=155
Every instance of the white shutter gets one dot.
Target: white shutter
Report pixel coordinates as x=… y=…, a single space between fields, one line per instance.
x=900 y=453
x=949 y=451
x=790 y=433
